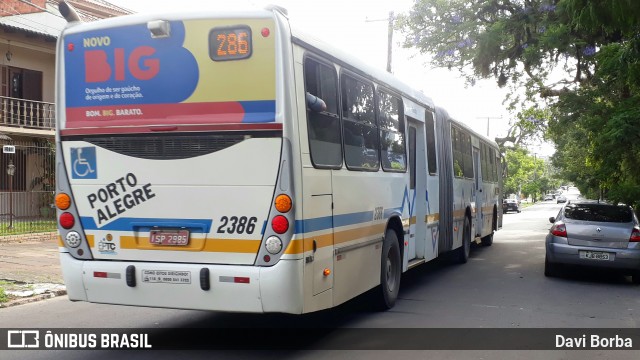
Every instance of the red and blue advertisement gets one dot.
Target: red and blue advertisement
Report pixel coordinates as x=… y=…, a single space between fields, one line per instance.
x=122 y=76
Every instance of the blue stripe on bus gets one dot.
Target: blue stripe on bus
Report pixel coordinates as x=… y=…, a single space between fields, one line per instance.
x=204 y=225
x=145 y=224
x=328 y=222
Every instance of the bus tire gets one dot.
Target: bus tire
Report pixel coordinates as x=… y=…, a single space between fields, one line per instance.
x=462 y=253
x=390 y=271
x=487 y=240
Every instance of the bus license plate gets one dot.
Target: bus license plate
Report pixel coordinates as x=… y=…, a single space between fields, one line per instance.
x=169 y=237
x=595 y=255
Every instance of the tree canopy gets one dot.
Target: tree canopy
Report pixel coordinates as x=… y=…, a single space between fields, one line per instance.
x=572 y=68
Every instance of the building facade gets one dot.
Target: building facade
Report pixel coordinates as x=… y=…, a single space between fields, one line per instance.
x=29 y=30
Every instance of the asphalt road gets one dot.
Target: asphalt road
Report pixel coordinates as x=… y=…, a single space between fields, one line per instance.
x=502 y=286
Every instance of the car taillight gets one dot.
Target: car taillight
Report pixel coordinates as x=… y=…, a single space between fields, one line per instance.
x=635 y=235
x=559 y=229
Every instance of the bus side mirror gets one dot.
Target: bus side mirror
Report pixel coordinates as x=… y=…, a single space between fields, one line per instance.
x=552 y=219
x=314 y=103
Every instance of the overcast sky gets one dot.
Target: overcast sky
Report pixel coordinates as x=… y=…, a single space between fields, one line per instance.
x=360 y=27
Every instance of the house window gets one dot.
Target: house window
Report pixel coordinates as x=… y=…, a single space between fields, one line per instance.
x=21 y=83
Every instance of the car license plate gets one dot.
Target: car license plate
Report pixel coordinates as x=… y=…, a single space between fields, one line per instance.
x=169 y=237
x=595 y=255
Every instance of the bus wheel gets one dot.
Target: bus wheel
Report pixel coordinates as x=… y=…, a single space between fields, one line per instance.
x=390 y=271
x=462 y=253
x=487 y=240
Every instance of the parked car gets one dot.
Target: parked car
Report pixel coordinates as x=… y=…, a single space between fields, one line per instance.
x=596 y=234
x=510 y=205
x=561 y=199
x=548 y=197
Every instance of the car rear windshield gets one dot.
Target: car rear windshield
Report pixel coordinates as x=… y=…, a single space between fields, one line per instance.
x=598 y=212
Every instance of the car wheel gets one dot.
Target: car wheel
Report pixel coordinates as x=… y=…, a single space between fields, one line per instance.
x=462 y=253
x=390 y=271
x=550 y=269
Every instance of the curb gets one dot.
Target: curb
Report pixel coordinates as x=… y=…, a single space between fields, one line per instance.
x=48 y=295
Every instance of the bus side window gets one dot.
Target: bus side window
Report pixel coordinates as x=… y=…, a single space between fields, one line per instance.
x=431 y=143
x=458 y=158
x=392 y=143
x=325 y=142
x=360 y=127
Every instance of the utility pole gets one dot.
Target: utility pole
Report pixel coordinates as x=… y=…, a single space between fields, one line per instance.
x=390 y=21
x=489 y=118
x=390 y=41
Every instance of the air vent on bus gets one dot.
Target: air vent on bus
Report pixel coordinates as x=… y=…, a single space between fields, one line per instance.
x=167 y=147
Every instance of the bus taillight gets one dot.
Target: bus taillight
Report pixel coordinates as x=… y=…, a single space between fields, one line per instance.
x=283 y=203
x=63 y=201
x=67 y=220
x=273 y=244
x=280 y=224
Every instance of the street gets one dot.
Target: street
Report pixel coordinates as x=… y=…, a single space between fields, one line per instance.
x=502 y=286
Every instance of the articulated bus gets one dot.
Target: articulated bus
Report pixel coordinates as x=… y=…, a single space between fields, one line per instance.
x=228 y=162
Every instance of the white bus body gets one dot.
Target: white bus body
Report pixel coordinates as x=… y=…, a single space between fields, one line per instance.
x=180 y=136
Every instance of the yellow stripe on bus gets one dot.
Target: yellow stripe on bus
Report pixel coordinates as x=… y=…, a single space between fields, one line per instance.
x=298 y=246
x=431 y=218
x=207 y=245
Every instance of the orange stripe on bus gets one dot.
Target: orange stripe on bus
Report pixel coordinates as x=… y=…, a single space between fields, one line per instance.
x=431 y=218
x=353 y=234
x=298 y=246
x=206 y=245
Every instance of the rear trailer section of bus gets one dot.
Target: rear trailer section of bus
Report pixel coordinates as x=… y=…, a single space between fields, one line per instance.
x=174 y=183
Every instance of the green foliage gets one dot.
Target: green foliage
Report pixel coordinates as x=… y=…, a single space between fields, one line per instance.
x=3 y=295
x=527 y=174
x=578 y=62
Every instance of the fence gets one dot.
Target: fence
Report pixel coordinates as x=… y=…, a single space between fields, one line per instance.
x=27 y=113
x=27 y=185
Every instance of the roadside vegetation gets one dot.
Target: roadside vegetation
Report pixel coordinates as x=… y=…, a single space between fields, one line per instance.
x=573 y=68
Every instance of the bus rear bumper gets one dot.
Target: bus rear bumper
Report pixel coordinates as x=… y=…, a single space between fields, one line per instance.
x=178 y=285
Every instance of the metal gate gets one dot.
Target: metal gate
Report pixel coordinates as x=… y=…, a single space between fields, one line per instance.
x=27 y=186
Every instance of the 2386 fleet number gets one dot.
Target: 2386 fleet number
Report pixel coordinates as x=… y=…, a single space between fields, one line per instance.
x=237 y=225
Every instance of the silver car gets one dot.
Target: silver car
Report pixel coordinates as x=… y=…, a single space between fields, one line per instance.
x=594 y=234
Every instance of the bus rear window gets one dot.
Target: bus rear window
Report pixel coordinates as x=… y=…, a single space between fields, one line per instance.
x=598 y=212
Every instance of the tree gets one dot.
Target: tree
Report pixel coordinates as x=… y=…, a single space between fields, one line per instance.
x=572 y=65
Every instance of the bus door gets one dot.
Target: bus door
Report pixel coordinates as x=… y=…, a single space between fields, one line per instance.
x=318 y=248
x=417 y=190
x=479 y=196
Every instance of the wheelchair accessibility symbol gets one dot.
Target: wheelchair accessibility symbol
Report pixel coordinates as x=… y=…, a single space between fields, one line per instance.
x=83 y=163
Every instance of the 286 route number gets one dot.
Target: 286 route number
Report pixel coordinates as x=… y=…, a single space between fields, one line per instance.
x=237 y=225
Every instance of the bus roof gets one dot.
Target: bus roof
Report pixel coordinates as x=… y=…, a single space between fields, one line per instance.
x=445 y=114
x=360 y=66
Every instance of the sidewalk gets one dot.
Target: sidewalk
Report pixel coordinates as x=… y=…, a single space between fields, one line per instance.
x=29 y=269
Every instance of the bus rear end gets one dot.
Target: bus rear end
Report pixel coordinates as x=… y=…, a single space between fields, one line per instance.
x=170 y=160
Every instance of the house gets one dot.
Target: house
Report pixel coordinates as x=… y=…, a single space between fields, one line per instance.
x=29 y=30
